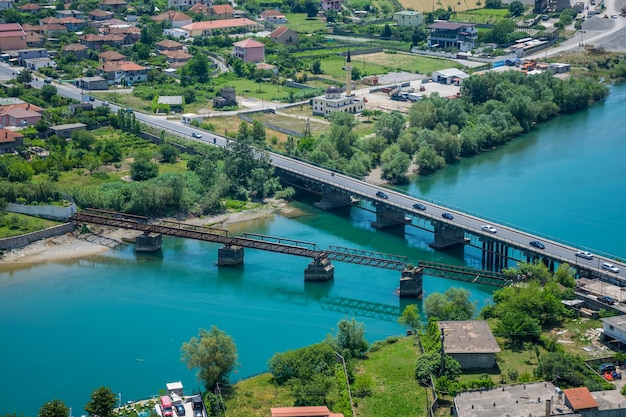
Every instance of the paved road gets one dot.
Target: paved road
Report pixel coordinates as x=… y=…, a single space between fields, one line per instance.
x=511 y=235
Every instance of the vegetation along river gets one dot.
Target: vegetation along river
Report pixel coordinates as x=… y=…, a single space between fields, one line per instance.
x=119 y=320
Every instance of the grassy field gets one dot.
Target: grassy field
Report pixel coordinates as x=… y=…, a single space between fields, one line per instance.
x=15 y=224
x=300 y=23
x=430 y=5
x=482 y=16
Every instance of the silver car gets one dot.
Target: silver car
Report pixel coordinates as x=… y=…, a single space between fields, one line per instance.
x=610 y=267
x=585 y=255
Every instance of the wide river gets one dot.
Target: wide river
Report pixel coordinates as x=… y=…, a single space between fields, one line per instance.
x=119 y=320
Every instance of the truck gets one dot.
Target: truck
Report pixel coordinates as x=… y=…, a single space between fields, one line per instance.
x=413 y=97
x=166 y=406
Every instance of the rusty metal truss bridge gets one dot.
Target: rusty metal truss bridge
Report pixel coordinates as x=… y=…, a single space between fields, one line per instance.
x=462 y=273
x=361 y=308
x=247 y=240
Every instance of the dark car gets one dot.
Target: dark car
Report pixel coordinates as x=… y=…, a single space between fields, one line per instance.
x=180 y=409
x=381 y=195
x=198 y=413
x=419 y=206
x=537 y=244
x=48 y=81
x=606 y=300
x=447 y=216
x=197 y=403
x=607 y=367
x=128 y=110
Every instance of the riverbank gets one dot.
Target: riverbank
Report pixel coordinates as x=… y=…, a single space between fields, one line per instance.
x=76 y=245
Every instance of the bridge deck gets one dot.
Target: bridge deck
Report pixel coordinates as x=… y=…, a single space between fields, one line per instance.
x=461 y=273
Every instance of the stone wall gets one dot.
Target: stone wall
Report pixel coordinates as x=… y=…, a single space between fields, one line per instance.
x=23 y=240
x=49 y=212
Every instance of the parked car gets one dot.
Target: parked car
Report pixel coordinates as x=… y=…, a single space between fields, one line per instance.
x=92 y=98
x=105 y=103
x=180 y=409
x=128 y=110
x=610 y=267
x=537 y=244
x=606 y=300
x=607 y=367
x=381 y=195
x=419 y=206
x=488 y=228
x=196 y=135
x=585 y=255
x=48 y=81
x=447 y=216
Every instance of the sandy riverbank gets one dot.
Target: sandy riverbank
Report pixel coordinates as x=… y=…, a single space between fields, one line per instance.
x=76 y=246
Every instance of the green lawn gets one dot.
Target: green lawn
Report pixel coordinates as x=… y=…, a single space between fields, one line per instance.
x=483 y=16
x=255 y=396
x=300 y=23
x=14 y=224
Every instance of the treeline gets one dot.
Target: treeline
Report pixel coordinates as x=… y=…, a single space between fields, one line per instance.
x=491 y=110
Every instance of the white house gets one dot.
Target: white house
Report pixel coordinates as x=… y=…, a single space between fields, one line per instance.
x=408 y=18
x=614 y=329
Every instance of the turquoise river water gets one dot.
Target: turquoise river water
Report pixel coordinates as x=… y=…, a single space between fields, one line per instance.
x=119 y=320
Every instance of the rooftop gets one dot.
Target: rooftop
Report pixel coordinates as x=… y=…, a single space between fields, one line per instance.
x=220 y=24
x=468 y=336
x=580 y=398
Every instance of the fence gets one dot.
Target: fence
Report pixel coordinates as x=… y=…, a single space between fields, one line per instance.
x=271 y=125
x=50 y=212
x=23 y=240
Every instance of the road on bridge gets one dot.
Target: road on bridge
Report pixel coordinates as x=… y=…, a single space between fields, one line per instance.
x=471 y=223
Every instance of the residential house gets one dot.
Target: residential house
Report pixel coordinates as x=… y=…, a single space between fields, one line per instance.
x=267 y=67
x=52 y=30
x=173 y=17
x=249 y=50
x=12 y=37
x=76 y=49
x=65 y=131
x=330 y=5
x=285 y=36
x=176 y=58
x=614 y=329
x=206 y=28
x=36 y=64
x=273 y=16
x=77 y=14
x=408 y=18
x=112 y=5
x=452 y=35
x=131 y=34
x=6 y=4
x=239 y=14
x=470 y=342
x=181 y=4
x=100 y=15
x=24 y=54
x=29 y=8
x=10 y=141
x=168 y=45
x=111 y=56
x=24 y=114
x=221 y=11
x=80 y=107
x=123 y=72
x=200 y=8
x=93 y=83
x=72 y=24
x=176 y=33
x=96 y=42
x=35 y=40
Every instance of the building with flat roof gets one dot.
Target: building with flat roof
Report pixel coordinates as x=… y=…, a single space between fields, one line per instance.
x=452 y=35
x=470 y=342
x=408 y=18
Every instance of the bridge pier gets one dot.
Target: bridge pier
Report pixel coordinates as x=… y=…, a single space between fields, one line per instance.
x=332 y=198
x=446 y=236
x=387 y=217
x=320 y=269
x=411 y=282
x=148 y=242
x=495 y=255
x=230 y=255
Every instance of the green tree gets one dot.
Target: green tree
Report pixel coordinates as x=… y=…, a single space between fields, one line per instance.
x=453 y=304
x=54 y=408
x=386 y=33
x=350 y=339
x=518 y=327
x=311 y=7
x=428 y=160
x=258 y=133
x=214 y=353
x=430 y=364
x=516 y=8
x=316 y=67
x=313 y=391
x=394 y=164
x=564 y=275
x=168 y=152
x=143 y=168
x=25 y=76
x=411 y=318
x=389 y=125
x=48 y=91
x=102 y=403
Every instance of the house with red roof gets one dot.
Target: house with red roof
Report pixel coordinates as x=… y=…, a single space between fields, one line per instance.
x=10 y=141
x=96 y=42
x=100 y=15
x=175 y=18
x=222 y=11
x=168 y=45
x=200 y=8
x=206 y=28
x=249 y=50
x=285 y=36
x=35 y=40
x=273 y=16
x=76 y=49
x=22 y=114
x=12 y=37
x=131 y=34
x=29 y=8
x=304 y=411
x=580 y=400
x=112 y=5
x=123 y=72
x=111 y=56
x=176 y=58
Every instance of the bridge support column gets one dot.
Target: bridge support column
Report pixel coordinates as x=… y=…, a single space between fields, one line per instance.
x=411 y=282
x=332 y=198
x=148 y=242
x=447 y=236
x=320 y=269
x=230 y=255
x=387 y=217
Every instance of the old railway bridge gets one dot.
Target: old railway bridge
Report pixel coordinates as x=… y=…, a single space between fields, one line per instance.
x=320 y=268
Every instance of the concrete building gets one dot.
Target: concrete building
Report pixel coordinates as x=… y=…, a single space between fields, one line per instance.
x=334 y=101
x=22 y=114
x=174 y=102
x=10 y=141
x=111 y=56
x=614 y=329
x=249 y=50
x=123 y=72
x=449 y=76
x=35 y=64
x=76 y=49
x=537 y=399
x=12 y=37
x=452 y=35
x=168 y=45
x=65 y=131
x=330 y=5
x=470 y=342
x=93 y=83
x=408 y=18
x=273 y=16
x=285 y=36
x=206 y=28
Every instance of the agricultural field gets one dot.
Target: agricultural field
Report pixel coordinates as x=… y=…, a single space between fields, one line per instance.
x=300 y=23
x=430 y=5
x=480 y=16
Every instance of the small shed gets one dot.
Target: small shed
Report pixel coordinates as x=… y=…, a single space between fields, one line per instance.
x=370 y=80
x=175 y=388
x=449 y=76
x=65 y=131
x=189 y=118
x=580 y=399
x=175 y=102
x=470 y=342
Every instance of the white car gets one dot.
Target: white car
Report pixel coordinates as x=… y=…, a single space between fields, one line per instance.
x=610 y=267
x=488 y=228
x=585 y=255
x=196 y=135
